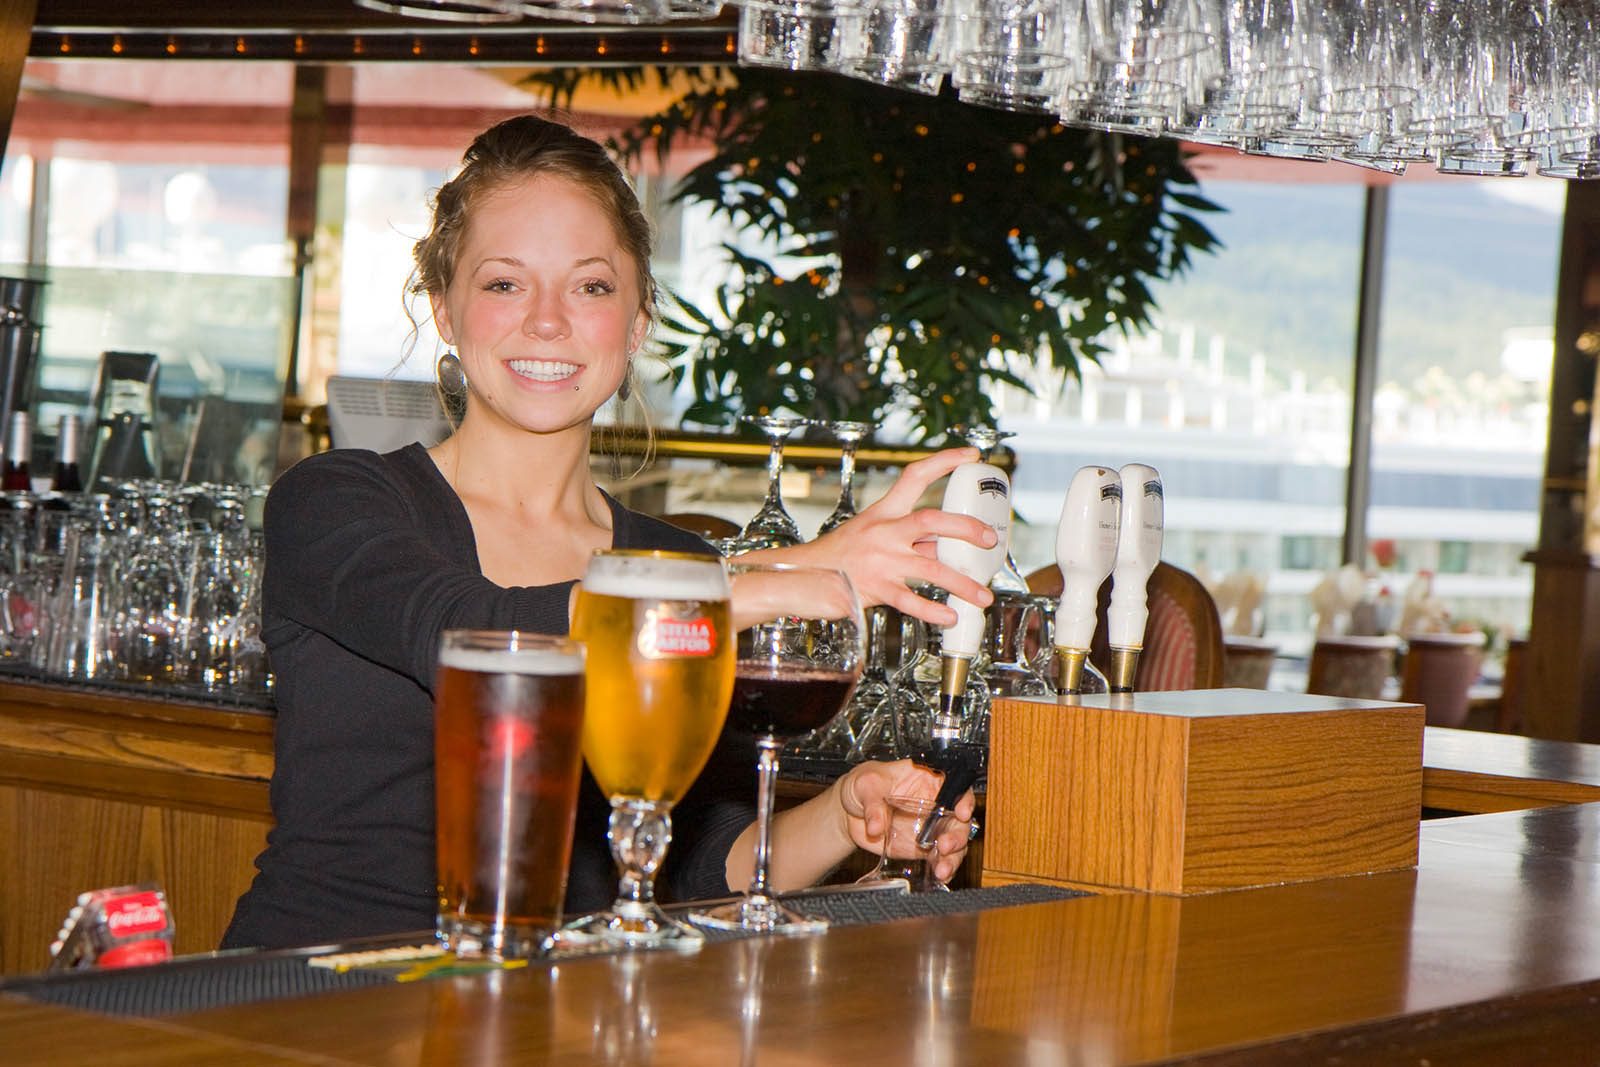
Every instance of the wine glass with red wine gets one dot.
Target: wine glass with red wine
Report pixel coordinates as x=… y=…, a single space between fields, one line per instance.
x=797 y=662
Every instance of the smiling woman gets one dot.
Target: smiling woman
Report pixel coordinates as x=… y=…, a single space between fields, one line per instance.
x=536 y=268
x=547 y=299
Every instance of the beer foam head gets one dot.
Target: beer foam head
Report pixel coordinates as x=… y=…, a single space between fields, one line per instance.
x=656 y=577
x=512 y=661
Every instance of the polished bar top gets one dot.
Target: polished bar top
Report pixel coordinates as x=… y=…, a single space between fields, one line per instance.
x=1498 y=918
x=1475 y=771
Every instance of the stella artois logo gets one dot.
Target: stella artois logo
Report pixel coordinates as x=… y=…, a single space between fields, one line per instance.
x=670 y=634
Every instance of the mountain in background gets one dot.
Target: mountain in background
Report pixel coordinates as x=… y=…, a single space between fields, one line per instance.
x=1465 y=264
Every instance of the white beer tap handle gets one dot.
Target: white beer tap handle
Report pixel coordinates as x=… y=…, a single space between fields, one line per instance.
x=1086 y=550
x=984 y=492
x=1138 y=552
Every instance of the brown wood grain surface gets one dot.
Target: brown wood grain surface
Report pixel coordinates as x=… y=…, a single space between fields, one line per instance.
x=53 y=1035
x=1476 y=771
x=102 y=789
x=1199 y=791
x=1500 y=908
x=63 y=844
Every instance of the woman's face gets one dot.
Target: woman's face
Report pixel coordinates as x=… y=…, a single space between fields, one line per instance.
x=544 y=309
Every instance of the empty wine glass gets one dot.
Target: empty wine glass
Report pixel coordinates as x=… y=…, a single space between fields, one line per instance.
x=1014 y=624
x=849 y=435
x=772 y=526
x=836 y=739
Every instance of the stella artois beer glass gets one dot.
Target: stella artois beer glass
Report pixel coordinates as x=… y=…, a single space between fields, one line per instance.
x=660 y=671
x=508 y=719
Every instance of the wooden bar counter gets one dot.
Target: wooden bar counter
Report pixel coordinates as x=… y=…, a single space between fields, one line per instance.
x=1486 y=953
x=101 y=788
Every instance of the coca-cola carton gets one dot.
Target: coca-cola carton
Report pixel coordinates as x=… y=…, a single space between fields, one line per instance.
x=125 y=926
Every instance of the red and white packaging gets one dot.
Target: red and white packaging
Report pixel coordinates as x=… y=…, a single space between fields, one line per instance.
x=126 y=926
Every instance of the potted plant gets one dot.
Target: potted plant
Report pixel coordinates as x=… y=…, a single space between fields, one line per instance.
x=945 y=248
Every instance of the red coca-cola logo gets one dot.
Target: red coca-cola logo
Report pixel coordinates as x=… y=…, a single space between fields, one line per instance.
x=136 y=913
x=665 y=637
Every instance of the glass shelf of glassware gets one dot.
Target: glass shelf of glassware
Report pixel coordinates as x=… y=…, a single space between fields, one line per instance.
x=151 y=587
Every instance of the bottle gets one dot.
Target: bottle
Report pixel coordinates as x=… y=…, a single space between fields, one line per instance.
x=19 y=442
x=67 y=478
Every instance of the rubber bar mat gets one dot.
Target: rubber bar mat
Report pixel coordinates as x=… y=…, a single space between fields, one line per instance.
x=200 y=983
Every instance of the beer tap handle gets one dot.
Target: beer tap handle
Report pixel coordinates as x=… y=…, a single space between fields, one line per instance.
x=1086 y=550
x=1138 y=552
x=960 y=763
x=984 y=492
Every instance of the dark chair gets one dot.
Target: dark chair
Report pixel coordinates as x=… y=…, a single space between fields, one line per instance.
x=1352 y=665
x=711 y=527
x=1182 y=640
x=1508 y=716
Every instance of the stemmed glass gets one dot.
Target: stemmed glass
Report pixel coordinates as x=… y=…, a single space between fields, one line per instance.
x=849 y=435
x=795 y=671
x=772 y=526
x=658 y=676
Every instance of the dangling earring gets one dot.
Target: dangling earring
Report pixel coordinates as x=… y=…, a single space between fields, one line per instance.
x=625 y=390
x=452 y=377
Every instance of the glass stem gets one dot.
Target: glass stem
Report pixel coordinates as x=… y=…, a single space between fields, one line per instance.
x=766 y=792
x=640 y=831
x=775 y=472
x=847 y=478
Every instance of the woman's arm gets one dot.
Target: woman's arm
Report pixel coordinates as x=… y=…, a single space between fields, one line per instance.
x=813 y=838
x=349 y=555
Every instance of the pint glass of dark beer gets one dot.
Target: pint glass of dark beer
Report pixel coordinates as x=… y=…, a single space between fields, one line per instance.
x=508 y=725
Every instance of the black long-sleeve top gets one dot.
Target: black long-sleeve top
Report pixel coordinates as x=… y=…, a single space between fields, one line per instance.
x=369 y=560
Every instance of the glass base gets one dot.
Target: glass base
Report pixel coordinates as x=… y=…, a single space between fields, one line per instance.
x=475 y=939
x=759 y=914
x=630 y=924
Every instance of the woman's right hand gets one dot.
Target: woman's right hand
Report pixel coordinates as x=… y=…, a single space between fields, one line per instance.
x=892 y=544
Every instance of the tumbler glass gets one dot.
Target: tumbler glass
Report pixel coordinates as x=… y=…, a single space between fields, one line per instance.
x=508 y=722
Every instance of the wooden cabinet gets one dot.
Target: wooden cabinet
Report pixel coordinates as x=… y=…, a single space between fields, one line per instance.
x=101 y=789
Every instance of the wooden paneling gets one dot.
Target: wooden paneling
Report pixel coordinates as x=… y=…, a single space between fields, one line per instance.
x=102 y=789
x=60 y=845
x=1200 y=791
x=16 y=31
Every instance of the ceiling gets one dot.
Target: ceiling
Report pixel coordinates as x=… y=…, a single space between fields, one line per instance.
x=310 y=16
x=338 y=31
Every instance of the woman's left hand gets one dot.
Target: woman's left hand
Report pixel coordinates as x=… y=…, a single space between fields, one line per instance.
x=862 y=791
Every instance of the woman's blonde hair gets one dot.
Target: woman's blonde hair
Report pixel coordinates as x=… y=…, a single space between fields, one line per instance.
x=515 y=150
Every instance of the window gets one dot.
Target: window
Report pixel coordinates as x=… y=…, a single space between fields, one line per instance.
x=1460 y=419
x=1258 y=341
x=163 y=232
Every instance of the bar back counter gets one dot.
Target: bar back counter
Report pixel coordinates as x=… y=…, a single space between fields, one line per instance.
x=101 y=788
x=1485 y=952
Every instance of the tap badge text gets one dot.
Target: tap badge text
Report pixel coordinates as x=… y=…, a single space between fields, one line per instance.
x=993 y=486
